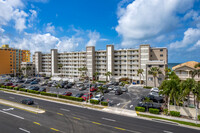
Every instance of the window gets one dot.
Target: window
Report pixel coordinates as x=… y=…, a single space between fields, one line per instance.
x=159 y=79
x=149 y=65
x=160 y=66
x=161 y=55
x=161 y=50
x=151 y=55
x=150 y=78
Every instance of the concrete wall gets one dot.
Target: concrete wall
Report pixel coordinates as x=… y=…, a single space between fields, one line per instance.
x=191 y=112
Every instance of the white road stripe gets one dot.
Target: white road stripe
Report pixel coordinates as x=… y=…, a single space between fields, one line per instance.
x=11 y=97
x=108 y=119
x=65 y=109
x=167 y=131
x=24 y=130
x=12 y=114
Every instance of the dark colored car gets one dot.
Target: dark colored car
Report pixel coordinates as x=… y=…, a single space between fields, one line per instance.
x=27 y=101
x=87 y=96
x=118 y=92
x=34 y=82
x=8 y=84
x=35 y=88
x=42 y=89
x=158 y=99
x=106 y=90
x=67 y=94
x=82 y=88
x=46 y=77
x=79 y=95
x=116 y=83
x=21 y=86
x=27 y=81
x=148 y=105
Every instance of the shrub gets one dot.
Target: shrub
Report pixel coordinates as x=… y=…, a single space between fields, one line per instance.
x=141 y=109
x=9 y=87
x=2 y=86
x=94 y=101
x=199 y=117
x=147 y=87
x=102 y=81
x=48 y=94
x=22 y=89
x=165 y=111
x=16 y=88
x=71 y=98
x=154 y=111
x=104 y=103
x=33 y=91
x=125 y=82
x=175 y=113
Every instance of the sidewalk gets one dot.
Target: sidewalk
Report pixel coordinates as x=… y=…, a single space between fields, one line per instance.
x=21 y=106
x=119 y=111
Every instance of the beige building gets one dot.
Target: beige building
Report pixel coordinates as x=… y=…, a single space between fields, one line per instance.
x=122 y=63
x=28 y=68
x=184 y=70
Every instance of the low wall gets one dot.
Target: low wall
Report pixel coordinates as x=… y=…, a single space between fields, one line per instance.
x=185 y=111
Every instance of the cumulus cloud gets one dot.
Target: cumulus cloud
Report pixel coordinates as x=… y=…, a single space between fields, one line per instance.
x=191 y=39
x=147 y=19
x=93 y=38
x=50 y=28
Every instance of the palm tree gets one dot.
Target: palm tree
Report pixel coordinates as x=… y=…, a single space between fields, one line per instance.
x=96 y=75
x=60 y=66
x=57 y=88
x=154 y=71
x=100 y=90
x=140 y=72
x=197 y=65
x=23 y=68
x=108 y=74
x=195 y=72
x=28 y=69
x=196 y=92
x=167 y=72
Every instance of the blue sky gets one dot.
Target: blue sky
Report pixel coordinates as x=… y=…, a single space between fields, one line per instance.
x=40 y=25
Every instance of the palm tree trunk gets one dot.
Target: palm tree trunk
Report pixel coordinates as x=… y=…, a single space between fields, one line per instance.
x=140 y=79
x=194 y=100
x=168 y=103
x=154 y=81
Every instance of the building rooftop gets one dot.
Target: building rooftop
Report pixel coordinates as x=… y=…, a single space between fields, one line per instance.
x=189 y=64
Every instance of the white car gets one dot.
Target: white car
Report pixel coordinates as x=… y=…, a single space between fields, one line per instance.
x=111 y=87
x=98 y=97
x=155 y=90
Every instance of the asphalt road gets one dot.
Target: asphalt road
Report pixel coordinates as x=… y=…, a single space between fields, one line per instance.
x=66 y=118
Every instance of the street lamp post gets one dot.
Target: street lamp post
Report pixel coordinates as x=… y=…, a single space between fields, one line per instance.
x=89 y=86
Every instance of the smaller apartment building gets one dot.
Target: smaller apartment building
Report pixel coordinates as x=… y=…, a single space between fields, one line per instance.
x=122 y=63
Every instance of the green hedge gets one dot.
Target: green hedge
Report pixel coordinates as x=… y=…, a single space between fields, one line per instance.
x=94 y=101
x=165 y=111
x=9 y=87
x=102 y=81
x=125 y=82
x=71 y=98
x=104 y=103
x=22 y=89
x=33 y=91
x=48 y=94
x=16 y=88
x=147 y=87
x=2 y=86
x=140 y=109
x=154 y=111
x=175 y=113
x=199 y=117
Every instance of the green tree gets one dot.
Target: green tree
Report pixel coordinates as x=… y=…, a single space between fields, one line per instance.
x=197 y=65
x=96 y=74
x=195 y=72
x=155 y=71
x=108 y=74
x=28 y=70
x=196 y=92
x=58 y=86
x=140 y=72
x=167 y=72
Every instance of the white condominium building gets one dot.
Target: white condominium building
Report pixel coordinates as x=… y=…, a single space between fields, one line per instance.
x=122 y=63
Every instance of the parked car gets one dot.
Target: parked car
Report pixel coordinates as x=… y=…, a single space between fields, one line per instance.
x=116 y=88
x=124 y=89
x=93 y=88
x=116 y=83
x=21 y=86
x=82 y=88
x=105 y=90
x=155 y=89
x=67 y=93
x=111 y=83
x=44 y=83
x=111 y=87
x=87 y=96
x=43 y=89
x=148 y=105
x=15 y=85
x=27 y=101
x=27 y=81
x=99 y=85
x=79 y=95
x=34 y=82
x=8 y=84
x=32 y=88
x=105 y=86
x=118 y=92
x=98 y=97
x=158 y=99
x=46 y=77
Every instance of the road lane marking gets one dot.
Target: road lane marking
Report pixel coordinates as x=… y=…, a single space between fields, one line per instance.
x=96 y=123
x=120 y=128
x=12 y=114
x=11 y=97
x=76 y=118
x=24 y=130
x=108 y=119
x=59 y=114
x=131 y=106
x=167 y=131
x=65 y=109
x=36 y=123
x=8 y=109
x=54 y=129
x=126 y=104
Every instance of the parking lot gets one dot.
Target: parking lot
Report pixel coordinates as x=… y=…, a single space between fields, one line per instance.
x=127 y=100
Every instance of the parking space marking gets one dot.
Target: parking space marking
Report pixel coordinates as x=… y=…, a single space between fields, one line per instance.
x=60 y=114
x=96 y=123
x=167 y=131
x=118 y=104
x=11 y=97
x=12 y=114
x=76 y=118
x=64 y=109
x=131 y=106
x=54 y=129
x=36 y=123
x=120 y=128
x=108 y=119
x=24 y=130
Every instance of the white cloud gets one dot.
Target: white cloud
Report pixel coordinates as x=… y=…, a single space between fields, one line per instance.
x=4 y=39
x=32 y=18
x=191 y=39
x=50 y=28
x=93 y=38
x=1 y=30
x=146 y=19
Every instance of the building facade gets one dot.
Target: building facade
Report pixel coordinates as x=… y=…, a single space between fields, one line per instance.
x=28 y=68
x=184 y=70
x=11 y=59
x=122 y=63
